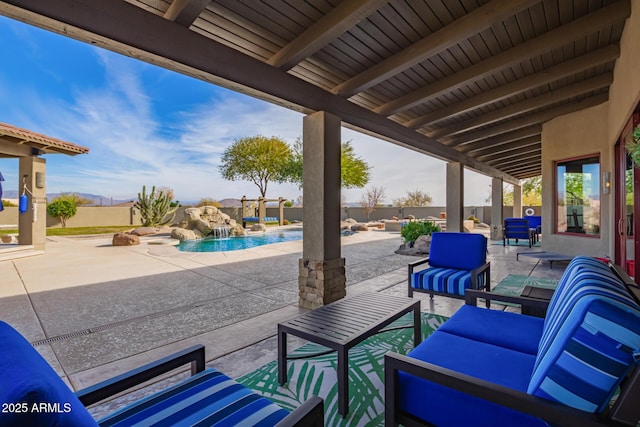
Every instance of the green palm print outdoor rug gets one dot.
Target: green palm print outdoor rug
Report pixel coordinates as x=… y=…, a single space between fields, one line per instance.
x=317 y=375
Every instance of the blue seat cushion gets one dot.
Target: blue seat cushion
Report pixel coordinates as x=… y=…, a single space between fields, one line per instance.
x=209 y=398
x=517 y=331
x=459 y=251
x=445 y=280
x=26 y=379
x=443 y=406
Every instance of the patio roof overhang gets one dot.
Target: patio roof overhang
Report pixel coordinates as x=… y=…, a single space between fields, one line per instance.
x=464 y=81
x=17 y=142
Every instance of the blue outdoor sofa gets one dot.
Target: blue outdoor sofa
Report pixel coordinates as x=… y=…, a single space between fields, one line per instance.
x=493 y=368
x=33 y=395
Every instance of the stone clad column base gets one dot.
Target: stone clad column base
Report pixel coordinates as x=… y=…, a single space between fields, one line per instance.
x=321 y=282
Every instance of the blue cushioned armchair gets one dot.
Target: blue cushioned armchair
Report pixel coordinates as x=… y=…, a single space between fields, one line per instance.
x=35 y=395
x=457 y=262
x=517 y=228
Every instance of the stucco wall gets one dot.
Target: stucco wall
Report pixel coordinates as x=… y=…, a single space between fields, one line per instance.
x=569 y=136
x=593 y=130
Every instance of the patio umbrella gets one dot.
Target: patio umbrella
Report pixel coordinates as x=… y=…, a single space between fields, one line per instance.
x=1 y=179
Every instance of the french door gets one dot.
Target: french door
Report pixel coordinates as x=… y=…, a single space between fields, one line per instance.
x=627 y=203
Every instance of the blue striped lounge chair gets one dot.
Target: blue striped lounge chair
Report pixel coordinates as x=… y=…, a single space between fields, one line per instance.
x=34 y=395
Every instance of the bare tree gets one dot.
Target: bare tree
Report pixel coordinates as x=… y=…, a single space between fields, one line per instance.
x=414 y=198
x=371 y=199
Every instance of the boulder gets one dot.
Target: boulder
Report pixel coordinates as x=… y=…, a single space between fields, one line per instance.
x=202 y=226
x=238 y=230
x=183 y=234
x=122 y=239
x=359 y=227
x=258 y=227
x=210 y=210
x=144 y=231
x=350 y=221
x=407 y=249
x=422 y=244
x=7 y=238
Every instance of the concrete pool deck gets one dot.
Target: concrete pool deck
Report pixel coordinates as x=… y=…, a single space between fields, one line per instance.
x=95 y=310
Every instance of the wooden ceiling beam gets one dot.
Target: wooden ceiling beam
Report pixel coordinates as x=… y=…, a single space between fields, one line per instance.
x=185 y=12
x=529 y=131
x=525 y=166
x=328 y=28
x=530 y=119
x=132 y=31
x=549 y=98
x=565 y=34
x=507 y=149
x=526 y=154
x=446 y=37
x=546 y=76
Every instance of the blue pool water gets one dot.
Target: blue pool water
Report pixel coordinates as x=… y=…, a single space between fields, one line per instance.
x=241 y=242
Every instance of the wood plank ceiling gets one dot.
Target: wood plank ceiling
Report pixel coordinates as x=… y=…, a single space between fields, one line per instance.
x=475 y=79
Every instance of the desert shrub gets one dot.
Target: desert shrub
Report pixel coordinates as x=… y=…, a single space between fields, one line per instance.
x=155 y=208
x=412 y=230
x=62 y=209
x=208 y=201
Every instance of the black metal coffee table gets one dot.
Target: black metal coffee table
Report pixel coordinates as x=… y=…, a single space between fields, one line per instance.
x=344 y=324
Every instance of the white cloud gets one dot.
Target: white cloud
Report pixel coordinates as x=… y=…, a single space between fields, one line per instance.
x=133 y=145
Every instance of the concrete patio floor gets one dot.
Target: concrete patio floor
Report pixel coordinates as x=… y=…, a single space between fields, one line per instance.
x=95 y=311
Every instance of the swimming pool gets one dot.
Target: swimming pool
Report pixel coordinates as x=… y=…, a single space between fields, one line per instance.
x=240 y=242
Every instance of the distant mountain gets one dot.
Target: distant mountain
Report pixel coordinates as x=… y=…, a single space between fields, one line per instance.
x=108 y=201
x=96 y=199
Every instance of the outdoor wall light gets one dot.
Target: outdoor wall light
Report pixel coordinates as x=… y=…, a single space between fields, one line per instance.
x=606 y=182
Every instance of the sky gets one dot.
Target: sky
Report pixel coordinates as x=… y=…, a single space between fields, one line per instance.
x=145 y=125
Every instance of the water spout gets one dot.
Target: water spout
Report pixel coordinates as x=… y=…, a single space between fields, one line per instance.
x=220 y=232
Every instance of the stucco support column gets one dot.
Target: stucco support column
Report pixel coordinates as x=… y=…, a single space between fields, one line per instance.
x=32 y=225
x=496 y=209
x=322 y=277
x=455 y=196
x=517 y=201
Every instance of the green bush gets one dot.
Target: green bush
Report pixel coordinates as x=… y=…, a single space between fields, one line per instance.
x=474 y=219
x=412 y=230
x=62 y=209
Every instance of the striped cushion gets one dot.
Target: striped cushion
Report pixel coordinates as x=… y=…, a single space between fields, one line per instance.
x=209 y=398
x=588 y=342
x=584 y=282
x=444 y=280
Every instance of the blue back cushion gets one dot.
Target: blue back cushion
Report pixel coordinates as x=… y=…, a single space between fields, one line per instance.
x=516 y=228
x=534 y=220
x=26 y=379
x=590 y=335
x=460 y=251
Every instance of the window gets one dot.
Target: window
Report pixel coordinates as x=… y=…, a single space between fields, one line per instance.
x=578 y=196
